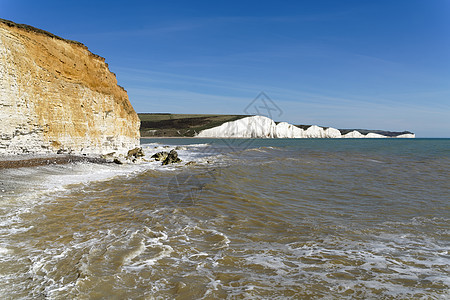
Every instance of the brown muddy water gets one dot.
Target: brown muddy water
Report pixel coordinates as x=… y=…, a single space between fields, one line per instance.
x=251 y=219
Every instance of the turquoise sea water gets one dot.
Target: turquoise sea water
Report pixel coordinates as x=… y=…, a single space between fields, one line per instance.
x=247 y=219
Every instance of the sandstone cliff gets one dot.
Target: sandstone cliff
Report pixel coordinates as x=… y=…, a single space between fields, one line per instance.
x=55 y=95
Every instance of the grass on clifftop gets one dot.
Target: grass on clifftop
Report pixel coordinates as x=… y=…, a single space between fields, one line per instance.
x=180 y=125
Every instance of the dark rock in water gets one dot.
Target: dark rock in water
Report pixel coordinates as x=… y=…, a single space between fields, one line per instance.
x=191 y=163
x=171 y=158
x=64 y=151
x=117 y=161
x=109 y=157
x=167 y=158
x=136 y=152
x=160 y=156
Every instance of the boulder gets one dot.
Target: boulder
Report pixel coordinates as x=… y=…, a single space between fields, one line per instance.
x=171 y=158
x=136 y=153
x=160 y=156
x=110 y=157
x=117 y=161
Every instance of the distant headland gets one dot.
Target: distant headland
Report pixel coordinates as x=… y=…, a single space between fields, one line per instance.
x=246 y=126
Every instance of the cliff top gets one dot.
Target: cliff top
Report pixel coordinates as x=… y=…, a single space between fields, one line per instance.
x=32 y=29
x=37 y=30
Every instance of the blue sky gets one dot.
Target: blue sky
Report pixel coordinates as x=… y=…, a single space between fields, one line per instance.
x=347 y=64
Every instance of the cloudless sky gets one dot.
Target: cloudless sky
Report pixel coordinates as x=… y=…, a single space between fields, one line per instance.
x=379 y=64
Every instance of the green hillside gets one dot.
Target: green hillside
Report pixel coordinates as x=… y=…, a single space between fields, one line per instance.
x=180 y=125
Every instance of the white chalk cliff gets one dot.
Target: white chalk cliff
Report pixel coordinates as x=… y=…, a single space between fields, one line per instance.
x=249 y=127
x=263 y=127
x=55 y=95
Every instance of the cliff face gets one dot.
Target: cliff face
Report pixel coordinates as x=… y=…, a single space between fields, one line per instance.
x=263 y=127
x=56 y=95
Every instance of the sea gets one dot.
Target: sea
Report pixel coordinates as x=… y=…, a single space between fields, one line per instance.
x=236 y=219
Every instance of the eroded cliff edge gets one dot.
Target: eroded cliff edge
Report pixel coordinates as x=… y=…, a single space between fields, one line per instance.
x=55 y=95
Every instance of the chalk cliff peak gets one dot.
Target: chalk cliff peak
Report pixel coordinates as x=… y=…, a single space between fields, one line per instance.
x=264 y=127
x=55 y=95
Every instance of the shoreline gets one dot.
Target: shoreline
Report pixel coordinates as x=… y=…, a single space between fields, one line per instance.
x=34 y=160
x=12 y=162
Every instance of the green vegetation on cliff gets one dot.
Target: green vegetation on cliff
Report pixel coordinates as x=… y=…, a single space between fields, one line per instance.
x=180 y=125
